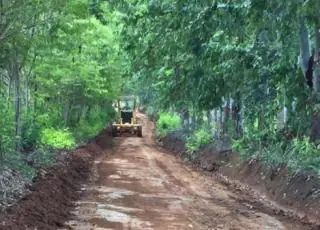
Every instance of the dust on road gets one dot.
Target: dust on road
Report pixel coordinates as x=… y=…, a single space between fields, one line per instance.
x=139 y=186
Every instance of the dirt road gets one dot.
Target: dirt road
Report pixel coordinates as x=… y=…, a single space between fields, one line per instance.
x=139 y=186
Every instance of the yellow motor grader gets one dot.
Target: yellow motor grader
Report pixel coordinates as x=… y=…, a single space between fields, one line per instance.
x=126 y=107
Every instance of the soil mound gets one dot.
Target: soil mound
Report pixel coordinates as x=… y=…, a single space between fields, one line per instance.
x=299 y=193
x=51 y=199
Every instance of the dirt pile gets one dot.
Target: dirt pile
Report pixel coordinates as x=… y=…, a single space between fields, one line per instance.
x=52 y=195
x=174 y=144
x=299 y=193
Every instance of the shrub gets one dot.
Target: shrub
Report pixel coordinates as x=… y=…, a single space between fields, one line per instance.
x=87 y=130
x=57 y=138
x=198 y=139
x=167 y=123
x=7 y=129
x=95 y=121
x=15 y=161
x=150 y=111
x=304 y=155
x=298 y=154
x=31 y=132
x=41 y=156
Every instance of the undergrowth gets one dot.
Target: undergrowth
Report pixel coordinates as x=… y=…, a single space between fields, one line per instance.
x=57 y=138
x=167 y=123
x=297 y=154
x=198 y=139
x=42 y=137
x=271 y=147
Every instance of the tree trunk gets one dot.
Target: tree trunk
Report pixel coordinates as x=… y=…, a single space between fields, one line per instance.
x=316 y=73
x=66 y=113
x=84 y=110
x=226 y=116
x=193 y=118
x=221 y=120
x=304 y=45
x=35 y=100
x=315 y=130
x=185 y=118
x=16 y=76
x=88 y=113
x=1 y=152
x=209 y=118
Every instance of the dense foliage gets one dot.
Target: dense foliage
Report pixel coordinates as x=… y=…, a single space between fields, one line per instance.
x=198 y=139
x=238 y=70
x=238 y=66
x=167 y=123
x=60 y=69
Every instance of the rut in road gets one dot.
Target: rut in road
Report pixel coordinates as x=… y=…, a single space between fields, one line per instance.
x=142 y=187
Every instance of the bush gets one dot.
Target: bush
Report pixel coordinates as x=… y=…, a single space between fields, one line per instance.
x=149 y=111
x=31 y=132
x=198 y=139
x=298 y=154
x=96 y=120
x=26 y=164
x=7 y=129
x=57 y=138
x=42 y=156
x=87 y=130
x=304 y=155
x=167 y=123
x=16 y=161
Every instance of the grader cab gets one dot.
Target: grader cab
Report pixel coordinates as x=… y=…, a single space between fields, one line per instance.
x=126 y=107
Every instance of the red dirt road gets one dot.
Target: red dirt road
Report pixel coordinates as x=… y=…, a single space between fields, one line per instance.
x=139 y=186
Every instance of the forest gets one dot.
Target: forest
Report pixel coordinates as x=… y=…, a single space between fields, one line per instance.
x=61 y=67
x=241 y=74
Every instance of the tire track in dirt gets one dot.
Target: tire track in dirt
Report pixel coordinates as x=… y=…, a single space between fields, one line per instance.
x=141 y=187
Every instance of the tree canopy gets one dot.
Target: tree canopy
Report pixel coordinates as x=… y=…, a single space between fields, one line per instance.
x=245 y=63
x=61 y=67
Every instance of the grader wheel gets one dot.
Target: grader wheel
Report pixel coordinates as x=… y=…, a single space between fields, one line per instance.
x=114 y=131
x=139 y=131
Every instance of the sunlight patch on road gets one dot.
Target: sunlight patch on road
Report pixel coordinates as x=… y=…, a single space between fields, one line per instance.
x=120 y=208
x=113 y=193
x=126 y=220
x=114 y=176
